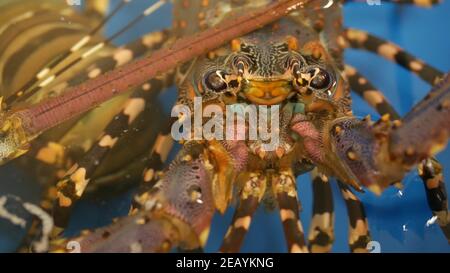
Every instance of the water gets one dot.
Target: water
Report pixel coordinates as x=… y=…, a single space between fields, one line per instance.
x=399 y=221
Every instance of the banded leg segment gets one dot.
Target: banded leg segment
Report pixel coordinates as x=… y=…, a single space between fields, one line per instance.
x=51 y=152
x=360 y=39
x=431 y=173
x=124 y=54
x=359 y=234
x=250 y=197
x=284 y=189
x=153 y=168
x=62 y=57
x=45 y=77
x=364 y=88
x=321 y=231
x=72 y=186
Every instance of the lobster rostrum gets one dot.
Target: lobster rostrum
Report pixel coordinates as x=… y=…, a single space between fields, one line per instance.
x=296 y=64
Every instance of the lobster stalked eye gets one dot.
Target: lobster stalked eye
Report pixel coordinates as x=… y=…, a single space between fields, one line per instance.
x=321 y=79
x=215 y=81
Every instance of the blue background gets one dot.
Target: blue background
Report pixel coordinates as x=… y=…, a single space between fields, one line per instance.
x=397 y=221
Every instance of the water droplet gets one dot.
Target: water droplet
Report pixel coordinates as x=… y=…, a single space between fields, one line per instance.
x=431 y=221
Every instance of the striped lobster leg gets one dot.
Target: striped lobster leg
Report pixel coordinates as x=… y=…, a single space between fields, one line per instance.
x=360 y=39
x=431 y=173
x=359 y=235
x=153 y=169
x=365 y=89
x=285 y=192
x=50 y=151
x=249 y=199
x=47 y=75
x=321 y=231
x=72 y=186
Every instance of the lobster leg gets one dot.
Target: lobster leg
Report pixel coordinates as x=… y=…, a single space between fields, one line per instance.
x=91 y=161
x=43 y=79
x=51 y=153
x=78 y=46
x=176 y=212
x=250 y=197
x=431 y=173
x=321 y=232
x=284 y=189
x=72 y=186
x=359 y=234
x=369 y=93
x=153 y=169
x=362 y=40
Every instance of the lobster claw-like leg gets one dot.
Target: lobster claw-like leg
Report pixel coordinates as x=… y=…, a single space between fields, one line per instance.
x=363 y=152
x=177 y=212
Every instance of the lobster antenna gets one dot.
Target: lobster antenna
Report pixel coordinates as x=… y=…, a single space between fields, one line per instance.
x=50 y=78
x=81 y=43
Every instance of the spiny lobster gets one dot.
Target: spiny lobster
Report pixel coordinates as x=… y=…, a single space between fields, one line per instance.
x=295 y=63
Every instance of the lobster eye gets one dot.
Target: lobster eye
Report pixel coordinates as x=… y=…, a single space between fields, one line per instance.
x=321 y=79
x=215 y=81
